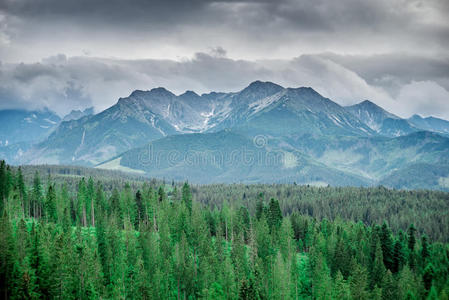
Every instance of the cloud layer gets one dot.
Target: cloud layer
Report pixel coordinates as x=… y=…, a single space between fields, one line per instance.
x=248 y=29
x=62 y=83
x=393 y=52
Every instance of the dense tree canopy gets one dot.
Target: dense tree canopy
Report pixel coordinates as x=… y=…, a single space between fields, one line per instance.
x=151 y=240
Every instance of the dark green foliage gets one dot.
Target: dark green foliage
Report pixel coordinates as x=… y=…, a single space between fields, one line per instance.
x=387 y=246
x=3 y=185
x=50 y=204
x=398 y=256
x=411 y=238
x=424 y=250
x=145 y=241
x=187 y=197
x=274 y=214
x=140 y=213
x=428 y=276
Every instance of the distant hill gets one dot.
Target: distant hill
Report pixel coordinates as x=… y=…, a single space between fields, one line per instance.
x=228 y=157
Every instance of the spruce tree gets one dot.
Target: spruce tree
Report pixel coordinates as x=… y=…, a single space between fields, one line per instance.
x=2 y=185
x=140 y=213
x=428 y=276
x=378 y=271
x=50 y=204
x=259 y=206
x=274 y=215
x=387 y=246
x=398 y=257
x=36 y=196
x=424 y=250
x=187 y=197
x=22 y=192
x=389 y=288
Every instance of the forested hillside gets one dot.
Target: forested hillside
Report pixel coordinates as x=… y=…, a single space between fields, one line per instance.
x=150 y=240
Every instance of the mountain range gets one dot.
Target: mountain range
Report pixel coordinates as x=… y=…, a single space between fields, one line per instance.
x=263 y=133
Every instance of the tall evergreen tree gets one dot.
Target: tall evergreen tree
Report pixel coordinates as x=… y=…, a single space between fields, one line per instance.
x=3 y=185
x=428 y=276
x=37 y=196
x=398 y=256
x=424 y=250
x=387 y=246
x=50 y=204
x=187 y=196
x=140 y=213
x=378 y=271
x=274 y=214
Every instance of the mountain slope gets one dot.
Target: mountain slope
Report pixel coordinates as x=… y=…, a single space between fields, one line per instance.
x=25 y=126
x=377 y=157
x=226 y=156
x=149 y=115
x=78 y=114
x=20 y=129
x=419 y=176
x=430 y=124
x=93 y=139
x=267 y=108
x=380 y=120
x=311 y=138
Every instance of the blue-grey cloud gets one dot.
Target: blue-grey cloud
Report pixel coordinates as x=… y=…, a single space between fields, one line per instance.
x=247 y=29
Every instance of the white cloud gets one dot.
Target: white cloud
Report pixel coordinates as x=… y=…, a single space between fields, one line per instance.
x=426 y=98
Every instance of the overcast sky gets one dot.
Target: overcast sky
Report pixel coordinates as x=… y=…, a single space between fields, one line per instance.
x=77 y=53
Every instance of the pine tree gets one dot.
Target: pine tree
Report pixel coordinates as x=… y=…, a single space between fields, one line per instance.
x=50 y=205
x=341 y=289
x=7 y=256
x=387 y=246
x=22 y=192
x=411 y=238
x=406 y=283
x=398 y=257
x=90 y=202
x=161 y=194
x=411 y=246
x=36 y=196
x=259 y=206
x=424 y=250
x=359 y=282
x=82 y=203
x=140 y=213
x=114 y=201
x=341 y=261
x=433 y=295
x=429 y=274
x=248 y=290
x=39 y=265
x=3 y=185
x=187 y=197
x=389 y=288
x=378 y=271
x=274 y=215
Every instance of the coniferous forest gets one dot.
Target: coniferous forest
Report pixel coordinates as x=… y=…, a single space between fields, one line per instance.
x=88 y=238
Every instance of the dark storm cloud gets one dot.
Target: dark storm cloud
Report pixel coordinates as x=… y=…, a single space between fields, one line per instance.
x=246 y=28
x=393 y=52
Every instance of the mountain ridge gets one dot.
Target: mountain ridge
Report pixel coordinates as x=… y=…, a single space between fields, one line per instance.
x=360 y=144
